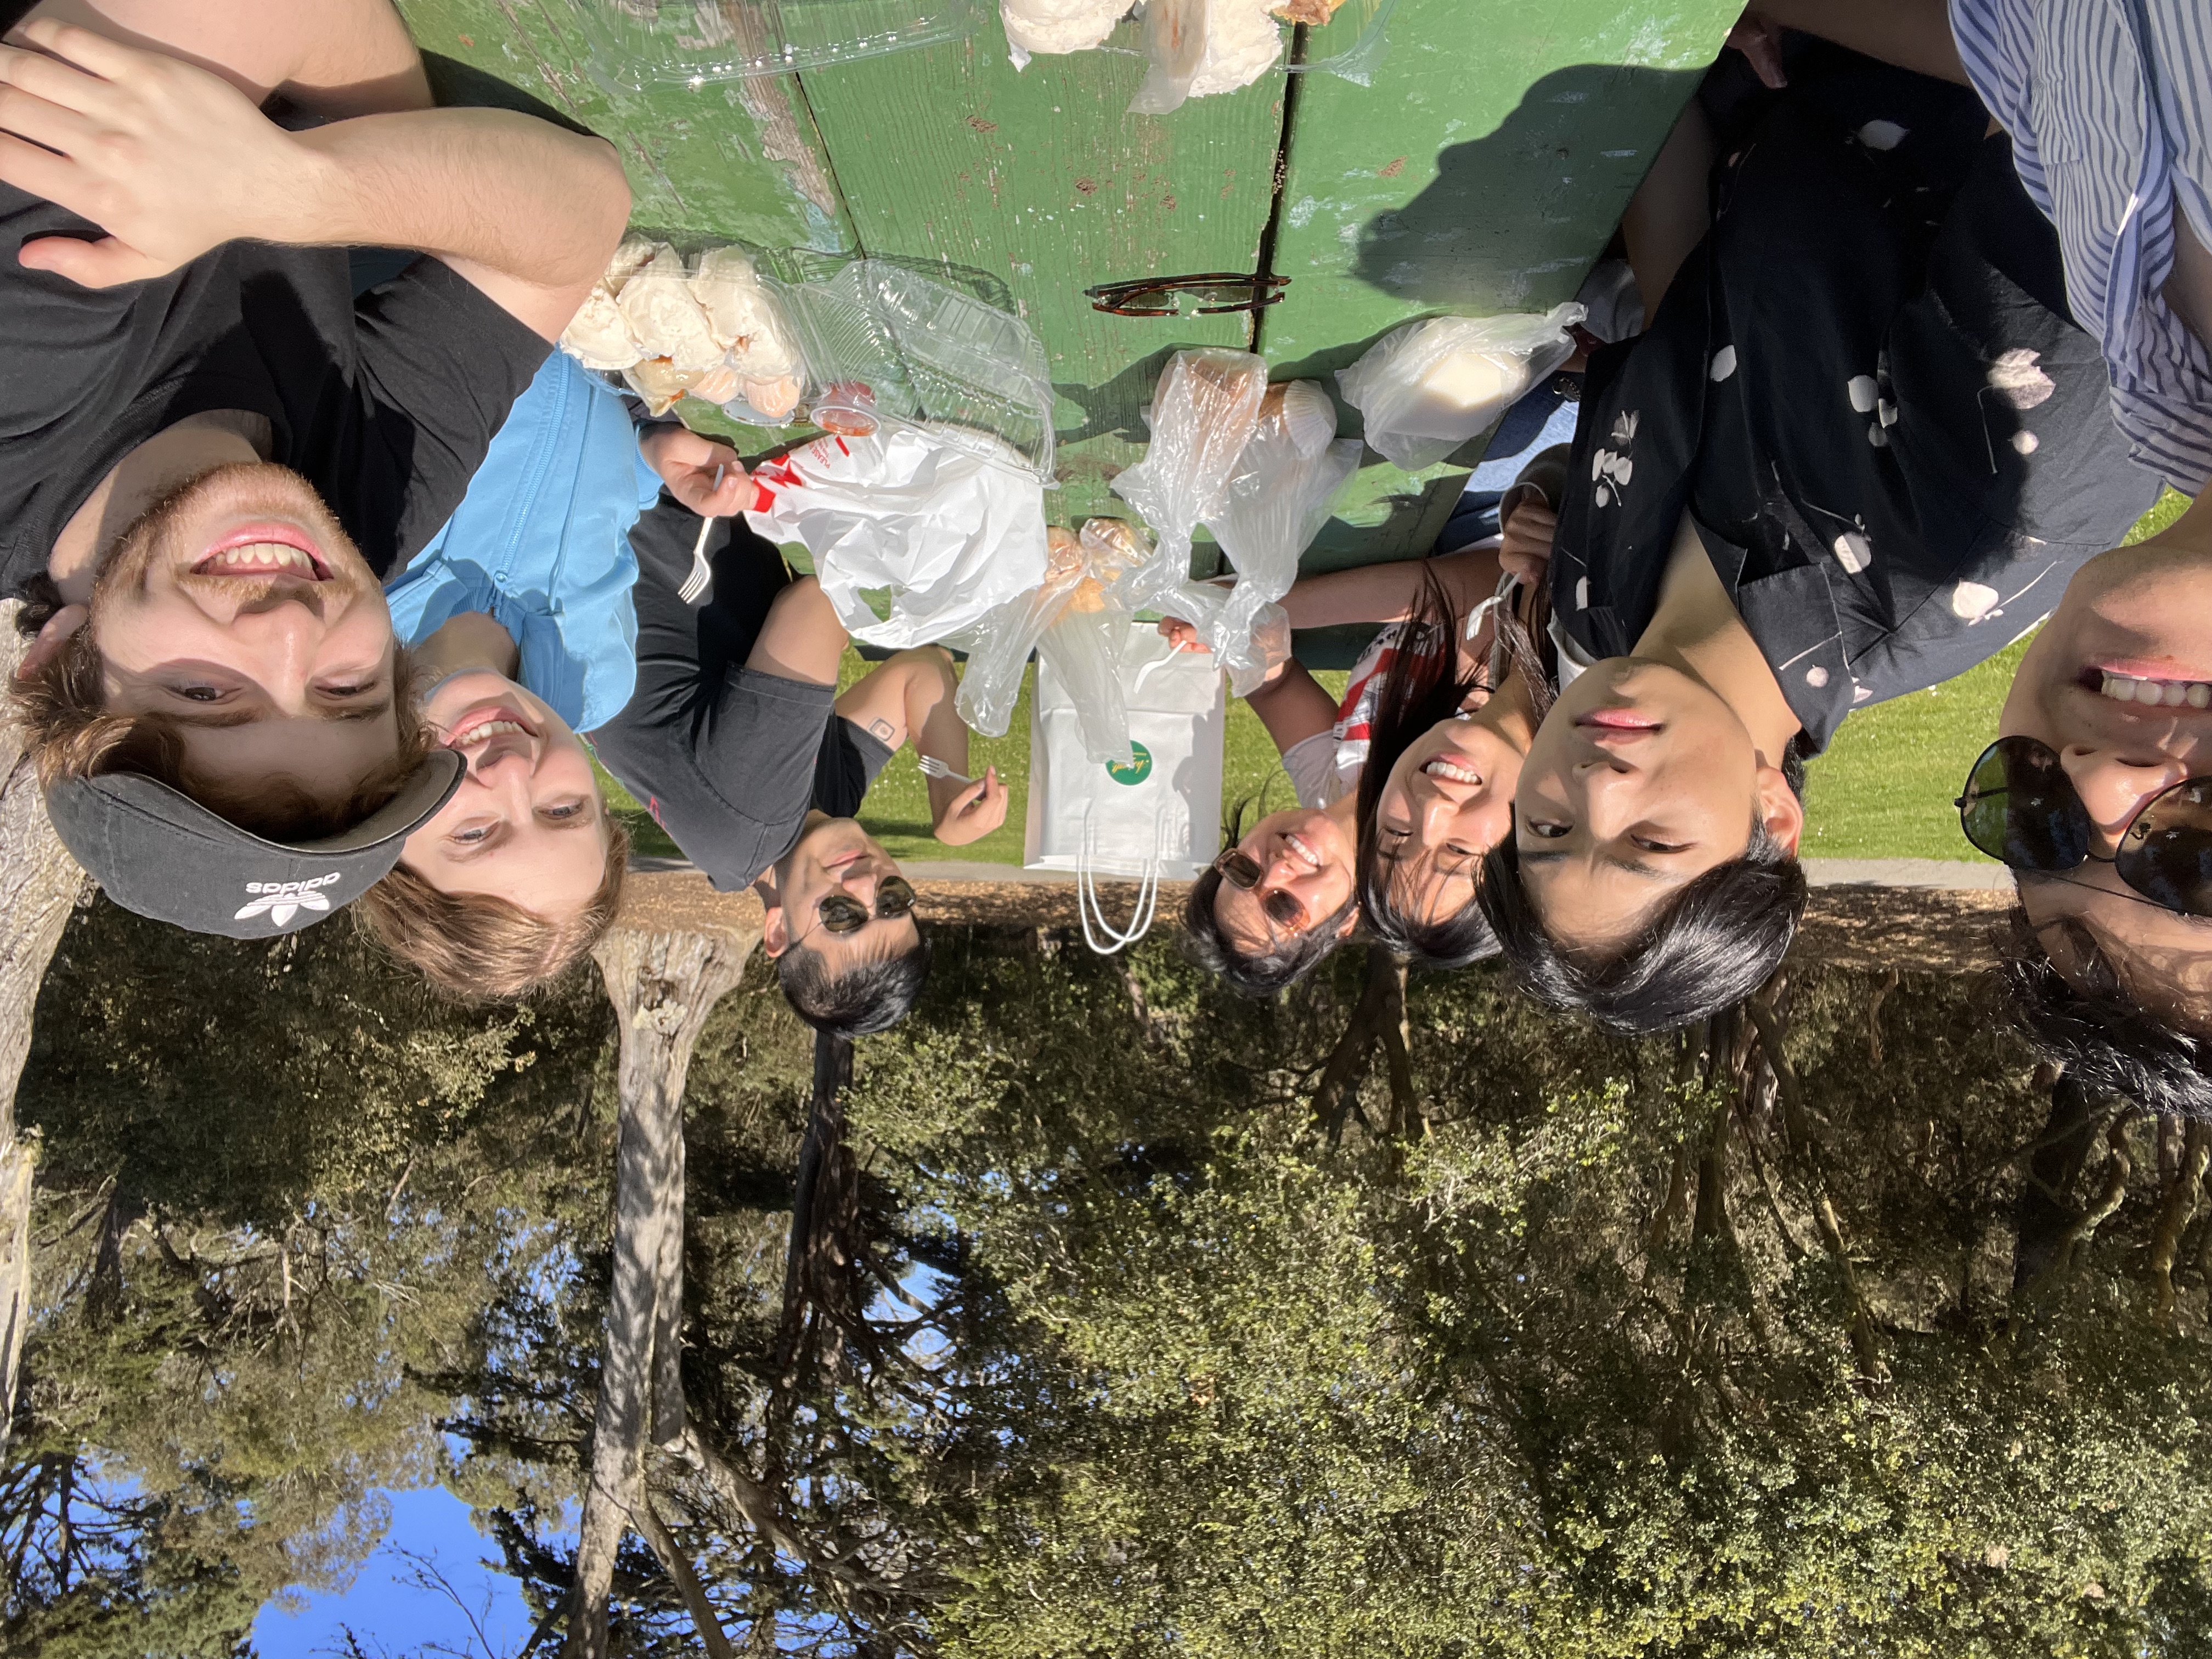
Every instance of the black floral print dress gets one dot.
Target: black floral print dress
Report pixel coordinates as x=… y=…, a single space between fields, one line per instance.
x=1864 y=388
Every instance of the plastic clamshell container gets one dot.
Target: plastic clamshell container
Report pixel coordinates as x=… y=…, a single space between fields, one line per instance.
x=924 y=354
x=1350 y=44
x=641 y=43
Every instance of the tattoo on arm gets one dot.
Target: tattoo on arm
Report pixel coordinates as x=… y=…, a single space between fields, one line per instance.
x=882 y=728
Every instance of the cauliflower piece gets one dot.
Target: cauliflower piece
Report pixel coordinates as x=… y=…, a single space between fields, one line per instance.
x=635 y=254
x=1242 y=45
x=772 y=399
x=742 y=314
x=597 y=336
x=1059 y=26
x=658 y=304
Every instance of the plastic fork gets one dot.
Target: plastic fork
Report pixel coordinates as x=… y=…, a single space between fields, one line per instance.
x=933 y=767
x=702 y=573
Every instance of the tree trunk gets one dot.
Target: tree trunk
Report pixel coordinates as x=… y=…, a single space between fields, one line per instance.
x=678 y=1566
x=663 y=986
x=39 y=884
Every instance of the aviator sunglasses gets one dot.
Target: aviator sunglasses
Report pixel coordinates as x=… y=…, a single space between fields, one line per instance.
x=842 y=913
x=2022 y=807
x=1244 y=872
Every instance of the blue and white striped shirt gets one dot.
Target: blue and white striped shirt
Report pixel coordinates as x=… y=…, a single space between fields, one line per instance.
x=2109 y=104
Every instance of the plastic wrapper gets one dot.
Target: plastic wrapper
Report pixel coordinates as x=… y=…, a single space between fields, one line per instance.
x=634 y=45
x=1200 y=47
x=1071 y=618
x=1429 y=386
x=941 y=534
x=1054 y=26
x=1175 y=43
x=1276 y=503
x=854 y=346
x=1203 y=414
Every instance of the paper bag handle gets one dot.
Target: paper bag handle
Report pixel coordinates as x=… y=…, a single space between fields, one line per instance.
x=1087 y=902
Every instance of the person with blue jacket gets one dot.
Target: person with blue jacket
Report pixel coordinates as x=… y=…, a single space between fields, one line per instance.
x=521 y=618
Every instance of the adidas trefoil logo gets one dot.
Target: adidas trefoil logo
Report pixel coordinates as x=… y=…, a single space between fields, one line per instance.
x=282 y=900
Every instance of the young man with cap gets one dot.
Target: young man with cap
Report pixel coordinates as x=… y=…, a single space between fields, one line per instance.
x=210 y=450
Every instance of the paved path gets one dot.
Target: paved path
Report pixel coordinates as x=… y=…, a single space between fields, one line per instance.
x=1943 y=874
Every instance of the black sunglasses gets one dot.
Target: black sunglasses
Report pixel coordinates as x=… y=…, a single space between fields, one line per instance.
x=2022 y=807
x=1244 y=872
x=1211 y=292
x=842 y=913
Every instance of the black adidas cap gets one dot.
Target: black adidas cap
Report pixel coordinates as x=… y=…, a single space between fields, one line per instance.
x=162 y=854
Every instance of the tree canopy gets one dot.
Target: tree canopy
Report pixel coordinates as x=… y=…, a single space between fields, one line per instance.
x=1831 y=1327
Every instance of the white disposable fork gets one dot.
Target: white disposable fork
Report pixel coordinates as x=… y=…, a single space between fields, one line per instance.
x=933 y=767
x=702 y=572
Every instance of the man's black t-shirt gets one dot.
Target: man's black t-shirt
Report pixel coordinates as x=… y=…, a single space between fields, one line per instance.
x=1865 y=391
x=385 y=404
x=727 y=758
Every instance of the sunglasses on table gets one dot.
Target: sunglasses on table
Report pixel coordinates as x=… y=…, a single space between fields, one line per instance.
x=2021 y=807
x=1244 y=872
x=842 y=913
x=1210 y=292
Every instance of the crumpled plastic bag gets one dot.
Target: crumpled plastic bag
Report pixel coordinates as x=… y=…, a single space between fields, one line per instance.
x=1276 y=503
x=1426 y=388
x=1074 y=619
x=1203 y=414
x=950 y=534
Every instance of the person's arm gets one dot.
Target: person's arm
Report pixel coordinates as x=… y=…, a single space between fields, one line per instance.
x=333 y=59
x=912 y=695
x=1913 y=34
x=1390 y=592
x=1293 y=707
x=172 y=161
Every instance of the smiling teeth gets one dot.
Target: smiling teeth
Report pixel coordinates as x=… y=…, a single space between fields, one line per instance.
x=2167 y=694
x=1444 y=769
x=258 y=556
x=1302 y=851
x=484 y=733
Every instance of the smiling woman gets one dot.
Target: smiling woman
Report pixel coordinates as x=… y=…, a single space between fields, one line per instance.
x=520 y=873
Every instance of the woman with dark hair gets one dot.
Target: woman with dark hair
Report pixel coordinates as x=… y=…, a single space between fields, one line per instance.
x=1403 y=783
x=1860 y=448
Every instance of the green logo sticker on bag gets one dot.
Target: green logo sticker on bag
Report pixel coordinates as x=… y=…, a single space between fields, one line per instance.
x=1139 y=769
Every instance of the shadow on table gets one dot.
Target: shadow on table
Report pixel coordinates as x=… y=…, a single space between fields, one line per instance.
x=1514 y=219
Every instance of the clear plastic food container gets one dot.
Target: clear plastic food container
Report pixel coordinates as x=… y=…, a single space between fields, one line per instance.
x=881 y=344
x=638 y=44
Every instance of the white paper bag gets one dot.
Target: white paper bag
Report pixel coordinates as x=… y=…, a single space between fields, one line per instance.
x=1162 y=814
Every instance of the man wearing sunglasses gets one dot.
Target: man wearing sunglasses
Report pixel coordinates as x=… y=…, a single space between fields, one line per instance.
x=739 y=744
x=2098 y=794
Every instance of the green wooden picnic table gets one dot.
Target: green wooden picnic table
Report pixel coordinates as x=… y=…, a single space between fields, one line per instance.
x=1480 y=168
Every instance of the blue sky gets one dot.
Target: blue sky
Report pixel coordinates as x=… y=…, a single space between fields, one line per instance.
x=391 y=1614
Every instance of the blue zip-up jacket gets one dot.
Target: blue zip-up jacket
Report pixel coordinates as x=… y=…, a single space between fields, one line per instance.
x=541 y=542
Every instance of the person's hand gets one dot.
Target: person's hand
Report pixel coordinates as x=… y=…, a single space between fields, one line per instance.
x=688 y=463
x=1525 y=549
x=1180 y=635
x=1758 y=37
x=167 y=159
x=972 y=811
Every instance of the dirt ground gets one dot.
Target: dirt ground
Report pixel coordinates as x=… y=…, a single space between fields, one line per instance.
x=1910 y=929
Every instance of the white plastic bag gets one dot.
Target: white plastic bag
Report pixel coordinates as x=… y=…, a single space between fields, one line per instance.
x=1425 y=388
x=1276 y=503
x=951 y=535
x=1073 y=621
x=1202 y=414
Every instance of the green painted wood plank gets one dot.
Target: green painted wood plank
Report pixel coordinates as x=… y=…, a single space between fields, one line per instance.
x=1040 y=180
x=1483 y=170
x=740 y=162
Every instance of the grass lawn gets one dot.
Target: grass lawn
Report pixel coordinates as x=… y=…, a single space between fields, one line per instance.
x=1883 y=790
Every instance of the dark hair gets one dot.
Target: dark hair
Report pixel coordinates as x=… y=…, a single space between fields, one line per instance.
x=1420 y=690
x=2103 y=1037
x=1709 y=947
x=1268 y=971
x=862 y=1001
